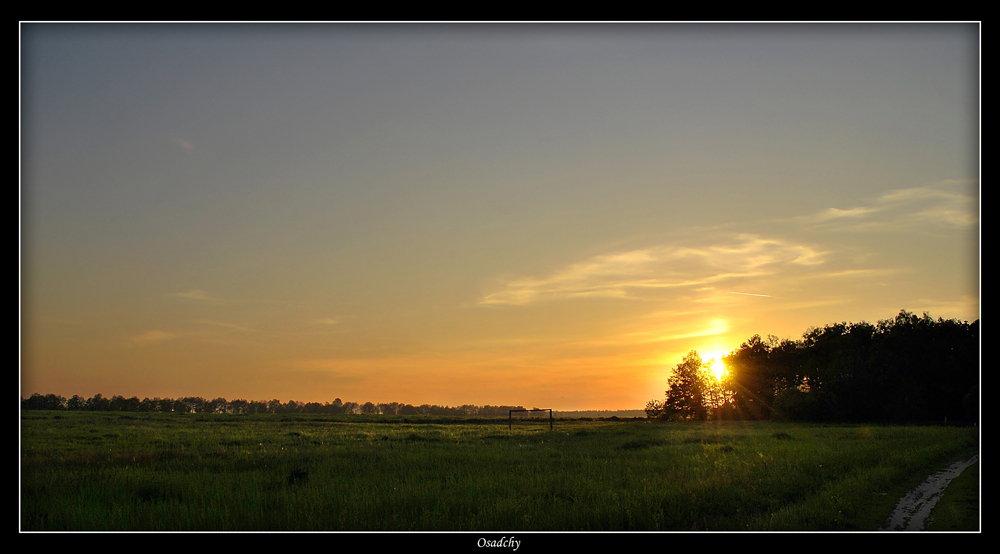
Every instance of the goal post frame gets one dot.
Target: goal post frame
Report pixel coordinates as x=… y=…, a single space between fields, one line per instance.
x=510 y=417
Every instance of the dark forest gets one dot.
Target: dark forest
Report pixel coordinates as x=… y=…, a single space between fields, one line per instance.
x=909 y=369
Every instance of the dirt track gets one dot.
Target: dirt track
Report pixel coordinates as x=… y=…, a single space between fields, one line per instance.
x=912 y=510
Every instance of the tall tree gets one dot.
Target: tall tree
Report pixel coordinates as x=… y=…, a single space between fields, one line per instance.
x=686 y=396
x=76 y=403
x=752 y=377
x=98 y=403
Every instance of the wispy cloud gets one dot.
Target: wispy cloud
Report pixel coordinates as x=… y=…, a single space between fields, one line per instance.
x=938 y=204
x=637 y=273
x=199 y=295
x=853 y=213
x=861 y=273
x=709 y=328
x=224 y=325
x=326 y=321
x=152 y=337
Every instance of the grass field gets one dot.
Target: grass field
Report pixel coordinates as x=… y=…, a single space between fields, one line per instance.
x=113 y=471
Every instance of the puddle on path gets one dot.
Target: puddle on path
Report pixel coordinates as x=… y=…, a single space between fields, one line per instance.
x=912 y=510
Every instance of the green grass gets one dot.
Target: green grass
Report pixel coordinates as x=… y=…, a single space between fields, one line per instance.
x=106 y=471
x=958 y=508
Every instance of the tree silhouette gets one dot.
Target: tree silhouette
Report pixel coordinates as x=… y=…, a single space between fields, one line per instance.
x=98 y=403
x=752 y=377
x=686 y=395
x=77 y=402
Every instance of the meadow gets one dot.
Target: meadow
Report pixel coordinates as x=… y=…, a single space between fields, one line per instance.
x=114 y=471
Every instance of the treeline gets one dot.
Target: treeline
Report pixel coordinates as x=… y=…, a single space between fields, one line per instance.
x=599 y=413
x=196 y=404
x=909 y=369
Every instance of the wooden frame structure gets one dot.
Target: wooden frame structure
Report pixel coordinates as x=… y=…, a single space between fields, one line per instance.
x=510 y=416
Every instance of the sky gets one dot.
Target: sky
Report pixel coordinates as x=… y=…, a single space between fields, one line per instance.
x=541 y=215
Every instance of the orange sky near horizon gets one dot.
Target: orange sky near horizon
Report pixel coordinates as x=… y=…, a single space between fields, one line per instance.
x=546 y=216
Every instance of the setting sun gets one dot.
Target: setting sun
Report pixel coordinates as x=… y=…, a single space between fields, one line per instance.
x=713 y=361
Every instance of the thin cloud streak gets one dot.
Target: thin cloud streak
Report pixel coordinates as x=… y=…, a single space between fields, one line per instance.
x=834 y=213
x=715 y=327
x=855 y=273
x=628 y=274
x=933 y=204
x=326 y=321
x=224 y=325
x=152 y=337
x=198 y=295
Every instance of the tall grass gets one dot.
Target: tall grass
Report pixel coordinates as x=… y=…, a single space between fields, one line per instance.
x=90 y=471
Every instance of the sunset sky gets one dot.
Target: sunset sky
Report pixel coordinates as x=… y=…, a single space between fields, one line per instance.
x=543 y=215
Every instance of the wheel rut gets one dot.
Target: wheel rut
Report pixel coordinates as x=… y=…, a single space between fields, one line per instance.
x=912 y=510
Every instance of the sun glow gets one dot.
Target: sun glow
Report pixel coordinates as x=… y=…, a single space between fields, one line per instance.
x=713 y=362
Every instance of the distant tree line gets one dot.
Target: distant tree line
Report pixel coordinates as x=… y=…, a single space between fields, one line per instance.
x=197 y=404
x=908 y=369
x=598 y=413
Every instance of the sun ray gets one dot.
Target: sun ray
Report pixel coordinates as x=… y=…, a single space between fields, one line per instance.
x=714 y=363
